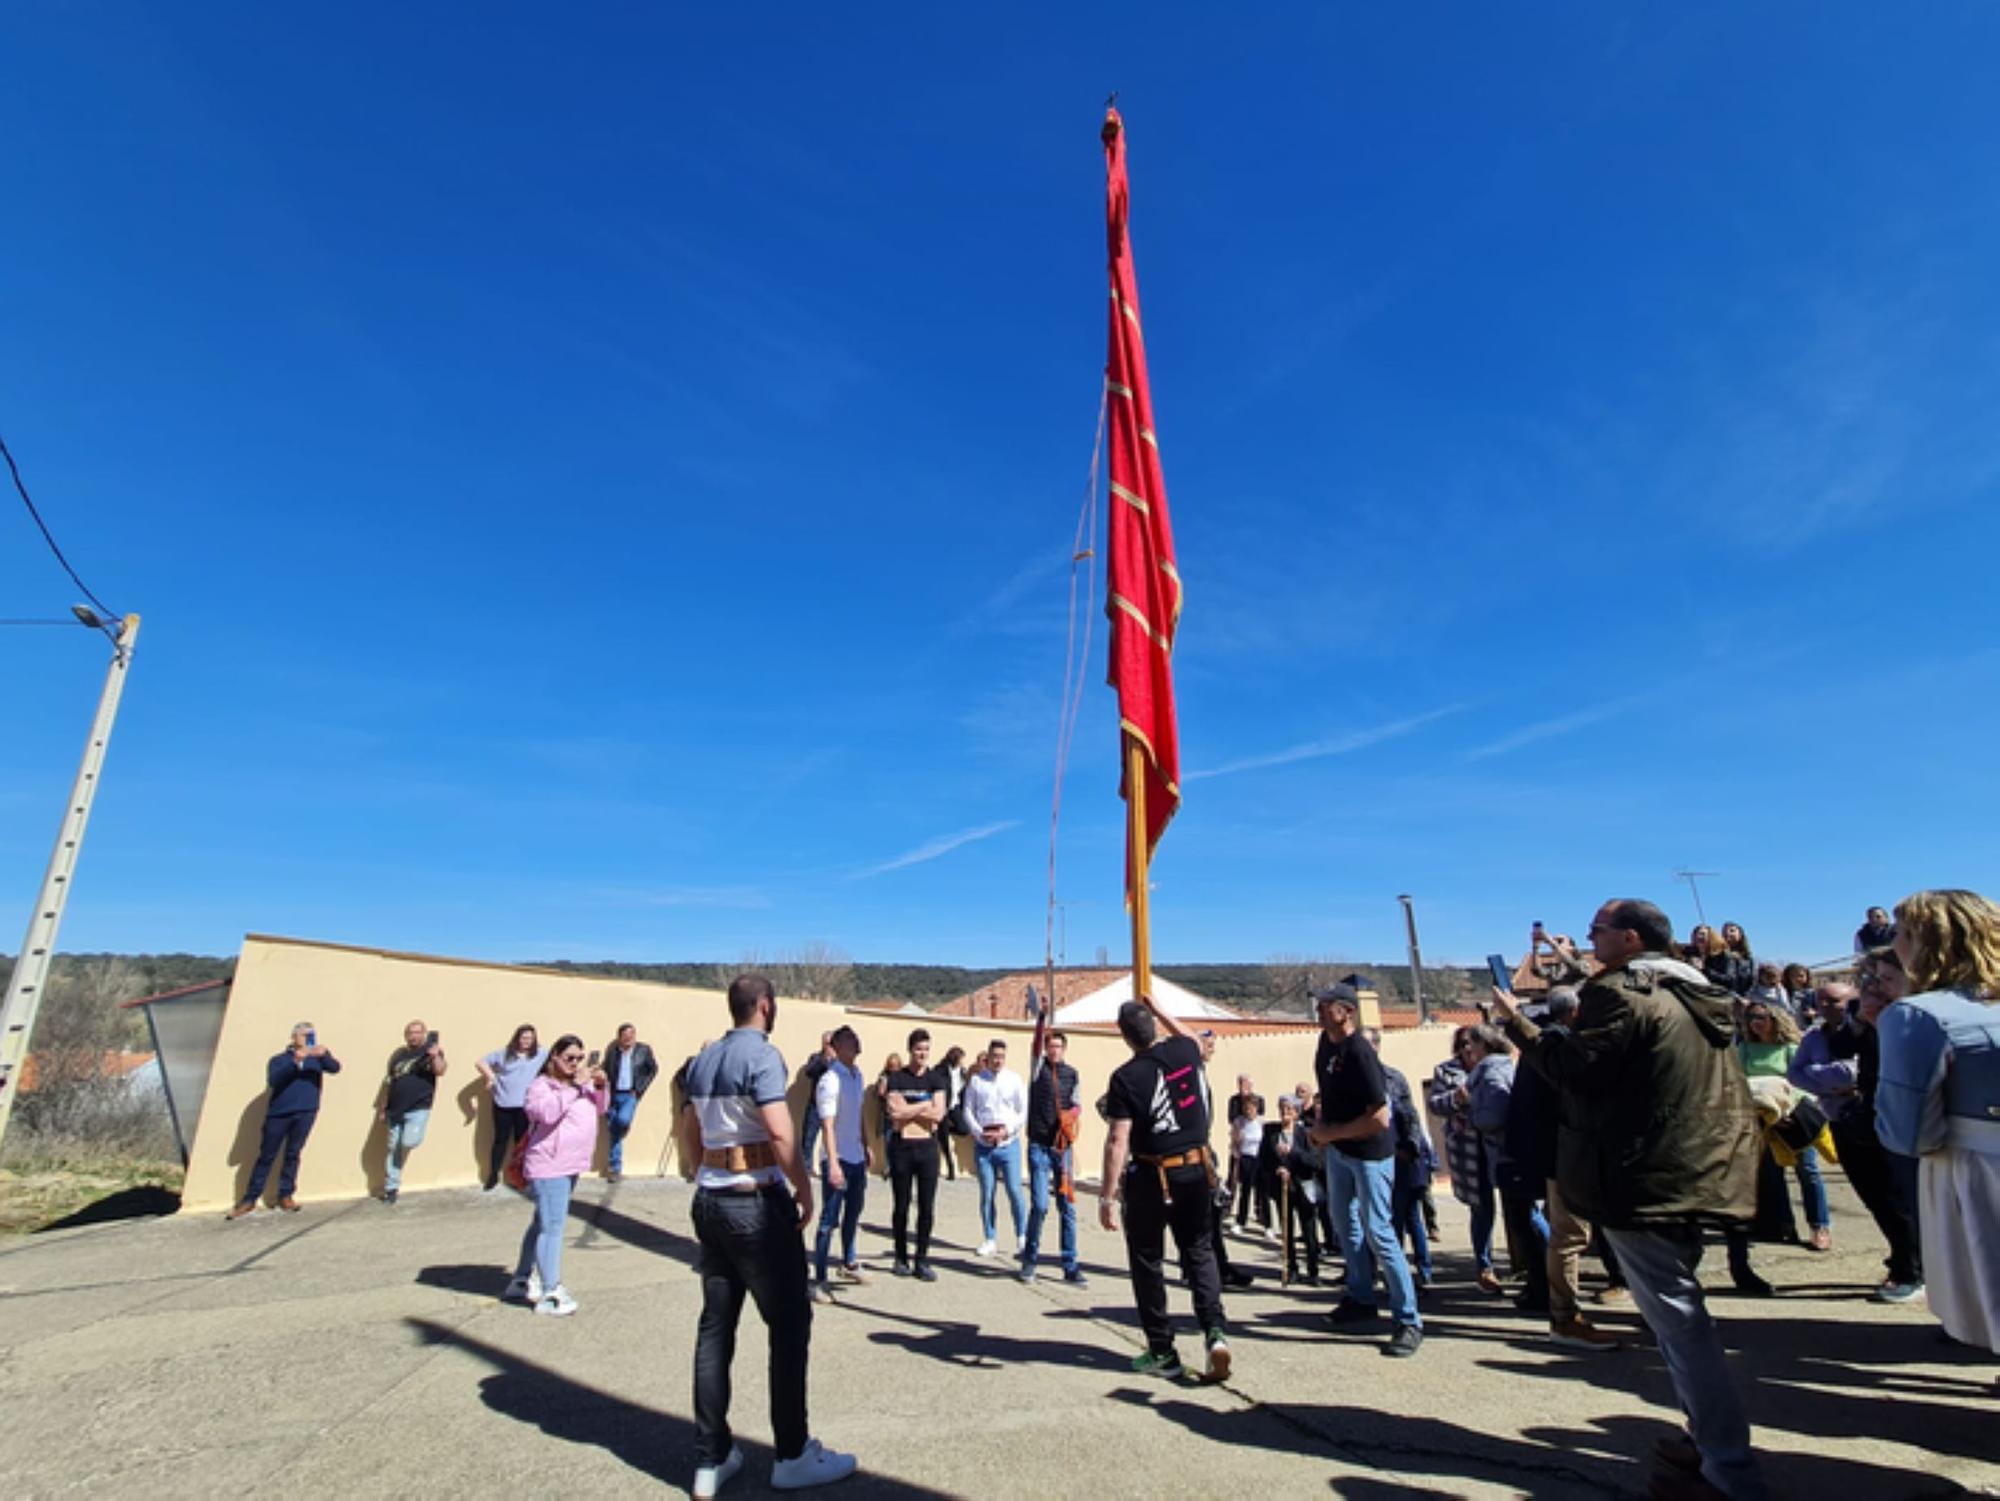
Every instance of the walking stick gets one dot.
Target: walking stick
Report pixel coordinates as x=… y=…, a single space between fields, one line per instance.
x=1285 y=1196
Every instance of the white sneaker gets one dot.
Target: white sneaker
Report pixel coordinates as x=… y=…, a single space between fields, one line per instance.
x=708 y=1479
x=814 y=1466
x=1020 y=1246
x=526 y=1289
x=558 y=1304
x=986 y=1248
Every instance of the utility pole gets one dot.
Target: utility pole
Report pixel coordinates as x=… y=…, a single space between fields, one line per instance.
x=31 y=970
x=1692 y=877
x=1416 y=961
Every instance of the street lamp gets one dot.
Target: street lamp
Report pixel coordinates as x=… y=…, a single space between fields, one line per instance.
x=1416 y=960
x=31 y=970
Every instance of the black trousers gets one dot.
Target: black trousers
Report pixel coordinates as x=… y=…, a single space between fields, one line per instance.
x=1301 y=1227
x=1250 y=1192
x=509 y=1123
x=913 y=1162
x=1219 y=1200
x=286 y=1133
x=1866 y=1163
x=751 y=1243
x=948 y=1153
x=1148 y=1218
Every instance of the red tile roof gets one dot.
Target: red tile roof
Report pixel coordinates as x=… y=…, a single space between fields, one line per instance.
x=1007 y=999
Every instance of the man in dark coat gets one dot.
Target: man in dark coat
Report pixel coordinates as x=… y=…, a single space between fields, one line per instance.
x=1653 y=1043
x=630 y=1067
x=296 y=1077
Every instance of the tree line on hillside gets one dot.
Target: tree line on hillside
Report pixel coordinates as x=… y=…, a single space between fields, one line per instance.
x=1280 y=985
x=821 y=971
x=131 y=975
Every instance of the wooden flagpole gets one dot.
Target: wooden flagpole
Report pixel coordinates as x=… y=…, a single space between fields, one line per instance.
x=1135 y=806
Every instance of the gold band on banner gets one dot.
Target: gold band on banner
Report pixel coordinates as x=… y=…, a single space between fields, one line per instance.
x=1152 y=756
x=1136 y=501
x=1138 y=617
x=1117 y=390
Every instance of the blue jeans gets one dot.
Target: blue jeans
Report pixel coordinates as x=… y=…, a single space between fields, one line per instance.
x=1360 y=1193
x=1659 y=1266
x=1812 y=1188
x=1482 y=1228
x=1042 y=1164
x=542 y=1245
x=809 y=1140
x=843 y=1208
x=1006 y=1163
x=406 y=1134
x=1406 y=1208
x=619 y=1120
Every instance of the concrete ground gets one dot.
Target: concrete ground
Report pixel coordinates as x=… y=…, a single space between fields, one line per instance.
x=359 y=1350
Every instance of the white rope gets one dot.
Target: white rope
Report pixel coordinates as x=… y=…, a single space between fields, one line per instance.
x=1082 y=552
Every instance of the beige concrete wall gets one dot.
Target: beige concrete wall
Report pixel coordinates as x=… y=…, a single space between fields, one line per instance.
x=360 y=1000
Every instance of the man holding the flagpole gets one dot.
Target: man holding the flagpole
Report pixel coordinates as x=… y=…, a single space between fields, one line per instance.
x=1157 y=1158
x=1053 y=1113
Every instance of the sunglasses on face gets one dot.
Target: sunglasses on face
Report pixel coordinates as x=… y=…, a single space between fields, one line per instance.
x=572 y=1057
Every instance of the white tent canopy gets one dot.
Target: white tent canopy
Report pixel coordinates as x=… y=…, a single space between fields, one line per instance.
x=1176 y=1000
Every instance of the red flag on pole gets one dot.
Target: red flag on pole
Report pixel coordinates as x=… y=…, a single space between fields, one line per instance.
x=1145 y=589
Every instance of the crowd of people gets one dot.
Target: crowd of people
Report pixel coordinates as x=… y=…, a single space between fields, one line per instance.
x=1658 y=1092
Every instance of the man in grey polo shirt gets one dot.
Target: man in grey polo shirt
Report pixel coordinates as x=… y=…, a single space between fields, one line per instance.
x=737 y=1127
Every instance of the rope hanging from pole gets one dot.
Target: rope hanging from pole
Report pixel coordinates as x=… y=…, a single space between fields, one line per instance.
x=1082 y=551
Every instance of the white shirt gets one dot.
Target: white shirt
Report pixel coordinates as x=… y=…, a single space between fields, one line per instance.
x=838 y=1098
x=1249 y=1135
x=996 y=1100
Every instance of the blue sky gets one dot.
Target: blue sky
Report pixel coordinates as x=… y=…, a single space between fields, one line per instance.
x=601 y=485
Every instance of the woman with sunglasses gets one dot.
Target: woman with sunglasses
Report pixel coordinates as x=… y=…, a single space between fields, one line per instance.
x=564 y=1105
x=1769 y=1042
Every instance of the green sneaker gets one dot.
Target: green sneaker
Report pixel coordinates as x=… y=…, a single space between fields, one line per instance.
x=1166 y=1364
x=1218 y=1357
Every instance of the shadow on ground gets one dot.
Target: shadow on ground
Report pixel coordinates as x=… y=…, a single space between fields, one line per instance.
x=477 y=1279
x=601 y=1219
x=149 y=1201
x=972 y=1347
x=656 y=1444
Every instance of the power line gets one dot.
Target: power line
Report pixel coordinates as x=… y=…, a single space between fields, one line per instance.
x=49 y=536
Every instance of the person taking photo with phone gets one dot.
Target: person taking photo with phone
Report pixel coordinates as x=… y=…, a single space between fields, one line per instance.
x=562 y=1105
x=295 y=1077
x=408 y=1092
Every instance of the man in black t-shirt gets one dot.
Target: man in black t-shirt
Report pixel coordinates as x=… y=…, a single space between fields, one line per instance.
x=1157 y=1155
x=1052 y=1125
x=914 y=1104
x=408 y=1093
x=1354 y=1127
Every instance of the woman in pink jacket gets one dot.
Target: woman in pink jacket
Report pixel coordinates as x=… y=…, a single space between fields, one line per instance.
x=563 y=1106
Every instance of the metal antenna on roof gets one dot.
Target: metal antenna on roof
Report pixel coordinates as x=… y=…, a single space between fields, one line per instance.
x=1692 y=877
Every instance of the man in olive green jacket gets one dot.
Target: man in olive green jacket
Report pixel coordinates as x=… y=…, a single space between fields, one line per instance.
x=1658 y=1136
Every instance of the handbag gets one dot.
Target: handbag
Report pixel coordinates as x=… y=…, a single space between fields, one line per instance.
x=1802 y=1127
x=515 y=1174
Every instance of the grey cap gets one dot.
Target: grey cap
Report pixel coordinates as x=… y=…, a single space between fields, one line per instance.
x=1342 y=993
